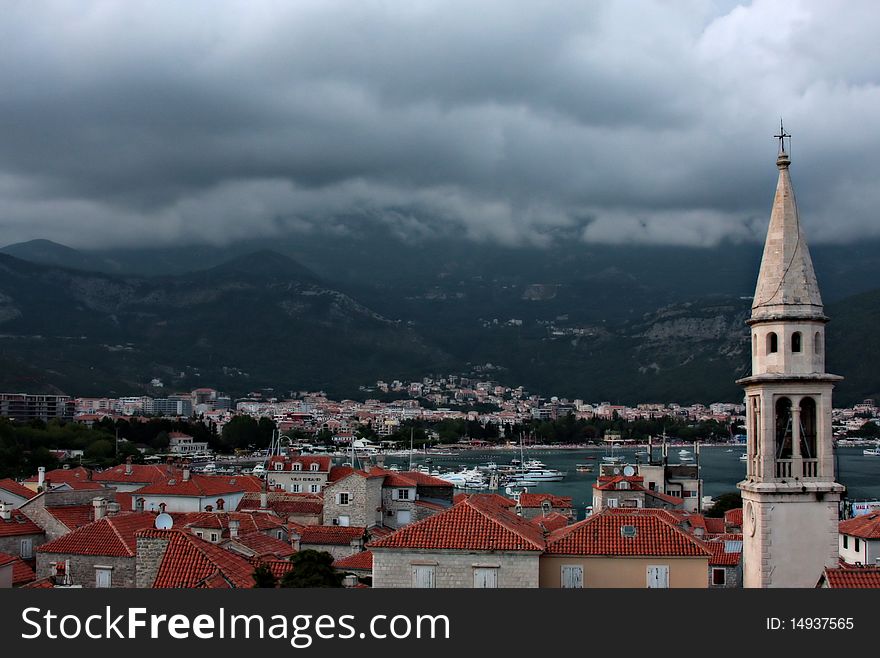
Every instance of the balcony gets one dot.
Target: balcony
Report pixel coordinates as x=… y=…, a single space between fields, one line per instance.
x=787 y=468
x=783 y=468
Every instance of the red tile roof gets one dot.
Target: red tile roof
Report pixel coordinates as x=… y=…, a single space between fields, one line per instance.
x=862 y=578
x=192 y=562
x=59 y=475
x=721 y=558
x=611 y=482
x=734 y=517
x=16 y=489
x=21 y=571
x=552 y=521
x=265 y=546
x=73 y=516
x=429 y=504
x=331 y=534
x=112 y=536
x=534 y=500
x=666 y=498
x=866 y=526
x=494 y=498
x=324 y=463
x=284 y=504
x=715 y=526
x=247 y=521
x=140 y=473
x=200 y=486
x=409 y=479
x=18 y=524
x=279 y=568
x=479 y=522
x=362 y=561
x=339 y=472
x=43 y=583
x=601 y=534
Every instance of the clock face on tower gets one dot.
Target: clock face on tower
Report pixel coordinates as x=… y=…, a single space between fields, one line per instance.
x=751 y=522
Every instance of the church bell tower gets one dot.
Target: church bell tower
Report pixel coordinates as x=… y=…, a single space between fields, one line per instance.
x=790 y=498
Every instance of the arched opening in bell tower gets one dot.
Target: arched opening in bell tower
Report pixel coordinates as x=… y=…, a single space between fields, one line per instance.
x=783 y=429
x=808 y=428
x=772 y=343
x=796 y=341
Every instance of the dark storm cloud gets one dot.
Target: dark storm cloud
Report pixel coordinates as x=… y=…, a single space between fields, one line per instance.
x=211 y=121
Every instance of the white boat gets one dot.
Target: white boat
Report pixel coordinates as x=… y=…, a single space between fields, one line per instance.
x=871 y=452
x=536 y=475
x=258 y=470
x=744 y=457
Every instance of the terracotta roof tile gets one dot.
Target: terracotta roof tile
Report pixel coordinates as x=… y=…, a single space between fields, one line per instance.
x=866 y=526
x=112 y=536
x=58 y=475
x=534 y=500
x=200 y=486
x=602 y=534
x=195 y=563
x=73 y=516
x=140 y=473
x=551 y=522
x=18 y=524
x=265 y=546
x=331 y=534
x=715 y=526
x=305 y=461
x=862 y=578
x=362 y=561
x=16 y=489
x=479 y=522
x=279 y=568
x=21 y=571
x=247 y=521
x=611 y=482
x=720 y=557
x=284 y=504
x=734 y=517
x=43 y=583
x=429 y=504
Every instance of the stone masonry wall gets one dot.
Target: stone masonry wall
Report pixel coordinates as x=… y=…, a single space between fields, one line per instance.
x=150 y=551
x=82 y=568
x=393 y=568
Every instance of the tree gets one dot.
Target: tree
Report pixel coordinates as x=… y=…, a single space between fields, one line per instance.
x=241 y=432
x=312 y=569
x=725 y=502
x=263 y=577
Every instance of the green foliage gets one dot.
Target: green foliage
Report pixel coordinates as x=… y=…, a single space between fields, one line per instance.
x=725 y=502
x=312 y=569
x=263 y=577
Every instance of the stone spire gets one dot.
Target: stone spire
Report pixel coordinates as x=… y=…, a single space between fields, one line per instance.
x=787 y=285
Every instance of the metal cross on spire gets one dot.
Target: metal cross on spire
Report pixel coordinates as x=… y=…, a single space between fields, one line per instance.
x=781 y=137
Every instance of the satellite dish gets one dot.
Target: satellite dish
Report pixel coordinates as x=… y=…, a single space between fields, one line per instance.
x=617 y=471
x=508 y=490
x=164 y=521
x=629 y=470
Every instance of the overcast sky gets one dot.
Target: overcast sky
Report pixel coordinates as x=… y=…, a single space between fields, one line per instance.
x=166 y=122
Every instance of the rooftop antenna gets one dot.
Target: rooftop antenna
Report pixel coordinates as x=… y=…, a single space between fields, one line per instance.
x=781 y=137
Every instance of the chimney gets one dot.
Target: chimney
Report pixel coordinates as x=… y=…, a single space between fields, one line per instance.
x=5 y=511
x=367 y=465
x=185 y=477
x=233 y=527
x=41 y=475
x=139 y=505
x=47 y=484
x=100 y=507
x=264 y=500
x=209 y=508
x=128 y=468
x=113 y=508
x=220 y=504
x=162 y=507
